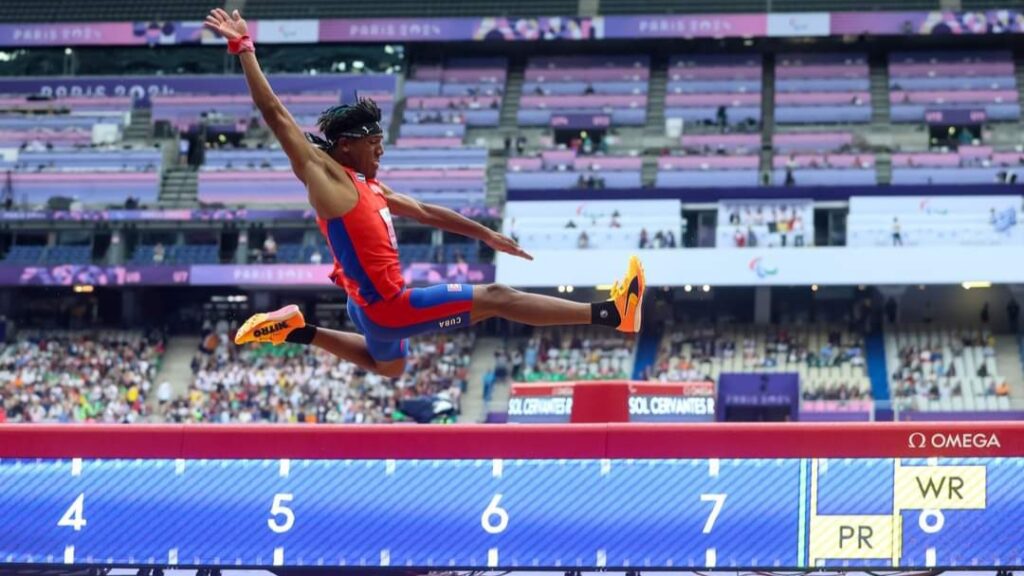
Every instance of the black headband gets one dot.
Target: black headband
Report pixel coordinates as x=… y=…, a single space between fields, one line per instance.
x=326 y=144
x=368 y=129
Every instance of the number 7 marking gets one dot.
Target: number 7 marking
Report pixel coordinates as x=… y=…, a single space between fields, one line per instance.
x=719 y=500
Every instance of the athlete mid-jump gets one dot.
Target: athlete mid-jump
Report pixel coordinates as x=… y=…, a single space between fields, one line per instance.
x=354 y=213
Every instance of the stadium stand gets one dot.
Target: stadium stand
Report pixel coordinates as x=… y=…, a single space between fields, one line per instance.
x=301 y=384
x=765 y=224
x=966 y=165
x=104 y=11
x=577 y=353
x=831 y=361
x=720 y=90
x=451 y=177
x=701 y=171
x=176 y=254
x=611 y=85
x=637 y=224
x=95 y=376
x=822 y=89
x=442 y=99
x=978 y=80
x=914 y=221
x=946 y=370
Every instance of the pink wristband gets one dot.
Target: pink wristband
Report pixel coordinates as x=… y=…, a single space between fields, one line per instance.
x=239 y=45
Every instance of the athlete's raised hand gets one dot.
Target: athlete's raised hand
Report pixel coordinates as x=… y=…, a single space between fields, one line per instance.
x=501 y=243
x=230 y=27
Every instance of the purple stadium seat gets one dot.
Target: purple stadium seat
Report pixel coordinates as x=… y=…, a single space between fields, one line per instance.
x=734 y=143
x=708 y=163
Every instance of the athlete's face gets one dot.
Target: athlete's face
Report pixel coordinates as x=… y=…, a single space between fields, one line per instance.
x=361 y=154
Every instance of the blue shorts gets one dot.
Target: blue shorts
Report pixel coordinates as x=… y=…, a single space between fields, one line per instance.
x=388 y=324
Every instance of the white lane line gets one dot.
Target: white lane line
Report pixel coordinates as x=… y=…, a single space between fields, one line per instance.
x=710 y=558
x=76 y=466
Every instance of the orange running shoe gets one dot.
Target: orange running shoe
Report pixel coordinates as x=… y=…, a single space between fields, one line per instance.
x=628 y=296
x=271 y=327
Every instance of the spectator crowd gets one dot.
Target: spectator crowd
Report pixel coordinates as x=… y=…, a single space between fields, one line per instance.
x=78 y=377
x=294 y=384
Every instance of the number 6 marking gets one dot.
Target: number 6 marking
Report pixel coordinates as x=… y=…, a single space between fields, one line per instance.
x=719 y=500
x=490 y=512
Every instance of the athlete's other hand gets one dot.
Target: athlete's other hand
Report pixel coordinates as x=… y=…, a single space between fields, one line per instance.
x=230 y=27
x=501 y=243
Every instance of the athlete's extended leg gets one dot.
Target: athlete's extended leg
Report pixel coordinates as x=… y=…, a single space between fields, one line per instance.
x=622 y=311
x=501 y=301
x=352 y=347
x=288 y=325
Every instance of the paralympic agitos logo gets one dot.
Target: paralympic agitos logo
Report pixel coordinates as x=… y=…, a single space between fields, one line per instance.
x=758 y=266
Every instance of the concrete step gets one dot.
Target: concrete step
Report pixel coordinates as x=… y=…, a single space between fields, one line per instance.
x=176 y=368
x=474 y=409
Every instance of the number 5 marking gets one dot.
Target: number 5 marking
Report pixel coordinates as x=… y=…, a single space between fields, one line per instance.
x=719 y=500
x=279 y=509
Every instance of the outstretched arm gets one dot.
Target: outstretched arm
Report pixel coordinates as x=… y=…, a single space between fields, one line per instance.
x=445 y=219
x=300 y=153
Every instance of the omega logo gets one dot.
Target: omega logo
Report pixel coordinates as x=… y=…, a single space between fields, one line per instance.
x=958 y=440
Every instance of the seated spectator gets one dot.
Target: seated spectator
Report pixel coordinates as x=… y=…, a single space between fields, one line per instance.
x=159 y=253
x=269 y=249
x=583 y=241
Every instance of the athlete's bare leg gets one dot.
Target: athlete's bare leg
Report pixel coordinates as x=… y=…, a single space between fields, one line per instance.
x=623 y=311
x=352 y=347
x=500 y=301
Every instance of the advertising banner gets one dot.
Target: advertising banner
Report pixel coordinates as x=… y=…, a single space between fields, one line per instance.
x=934 y=23
x=580 y=121
x=308 y=275
x=74 y=274
x=686 y=26
x=551 y=402
x=955 y=116
x=523 y=28
x=798 y=24
x=282 y=275
x=140 y=87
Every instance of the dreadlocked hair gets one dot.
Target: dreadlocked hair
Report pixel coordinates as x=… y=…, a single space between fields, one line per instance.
x=337 y=120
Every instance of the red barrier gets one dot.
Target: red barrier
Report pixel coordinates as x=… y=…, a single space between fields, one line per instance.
x=795 y=440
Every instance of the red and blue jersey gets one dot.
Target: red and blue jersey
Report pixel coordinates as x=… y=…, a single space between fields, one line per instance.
x=364 y=245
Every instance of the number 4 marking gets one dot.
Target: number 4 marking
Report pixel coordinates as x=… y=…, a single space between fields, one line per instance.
x=75 y=515
x=719 y=500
